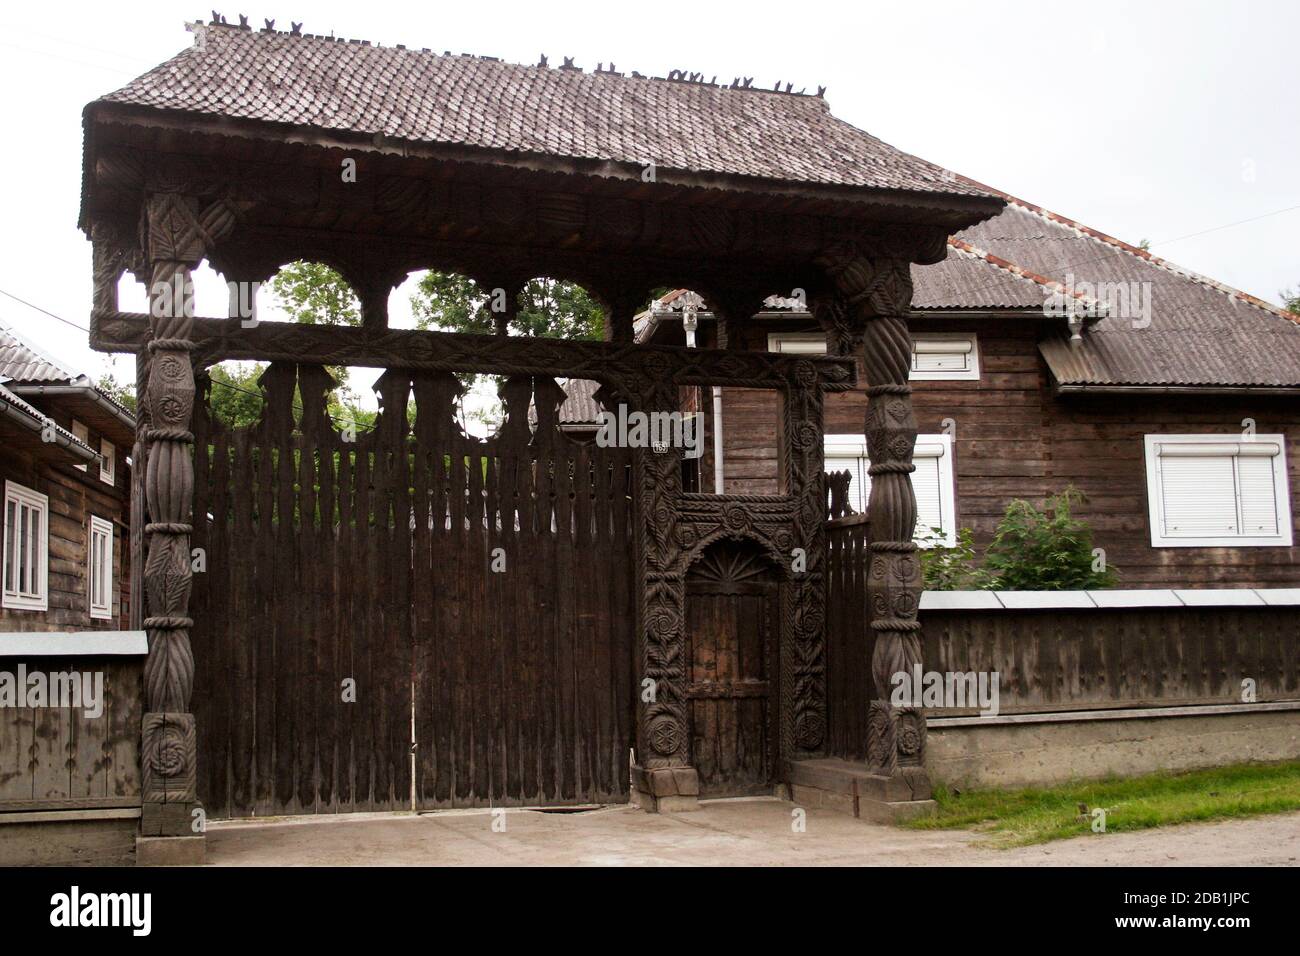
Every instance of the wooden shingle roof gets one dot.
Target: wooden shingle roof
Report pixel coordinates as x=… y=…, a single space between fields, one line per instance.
x=336 y=85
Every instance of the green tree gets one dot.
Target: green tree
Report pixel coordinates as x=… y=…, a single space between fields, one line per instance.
x=315 y=294
x=234 y=397
x=550 y=308
x=1047 y=550
x=122 y=393
x=1291 y=299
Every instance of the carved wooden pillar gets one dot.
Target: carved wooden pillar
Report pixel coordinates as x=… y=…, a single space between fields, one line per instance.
x=176 y=234
x=621 y=308
x=878 y=292
x=803 y=648
x=663 y=774
x=733 y=310
x=138 y=507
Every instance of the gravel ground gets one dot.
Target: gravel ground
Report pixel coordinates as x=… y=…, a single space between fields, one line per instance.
x=756 y=831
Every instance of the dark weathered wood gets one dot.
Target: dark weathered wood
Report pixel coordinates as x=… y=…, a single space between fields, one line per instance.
x=222 y=339
x=1069 y=660
x=848 y=639
x=63 y=758
x=1079 y=660
x=732 y=626
x=517 y=696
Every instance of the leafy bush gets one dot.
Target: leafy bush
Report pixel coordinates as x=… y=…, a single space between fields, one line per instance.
x=1032 y=550
x=1048 y=550
x=954 y=569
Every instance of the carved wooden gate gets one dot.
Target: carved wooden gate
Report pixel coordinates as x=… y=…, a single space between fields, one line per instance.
x=411 y=585
x=732 y=625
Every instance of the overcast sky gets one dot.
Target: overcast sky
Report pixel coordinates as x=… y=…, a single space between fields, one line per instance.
x=1174 y=122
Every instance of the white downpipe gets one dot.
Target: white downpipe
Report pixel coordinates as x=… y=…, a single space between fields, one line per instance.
x=718 y=486
x=689 y=324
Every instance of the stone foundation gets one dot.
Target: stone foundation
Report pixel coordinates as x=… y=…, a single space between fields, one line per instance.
x=667 y=789
x=1033 y=750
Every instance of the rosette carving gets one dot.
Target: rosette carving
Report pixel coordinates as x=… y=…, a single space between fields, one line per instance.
x=876 y=289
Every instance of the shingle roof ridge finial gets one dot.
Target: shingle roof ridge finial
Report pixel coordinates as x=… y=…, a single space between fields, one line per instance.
x=674 y=76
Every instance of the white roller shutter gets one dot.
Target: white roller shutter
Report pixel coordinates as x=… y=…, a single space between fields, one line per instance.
x=1211 y=490
x=945 y=356
x=932 y=481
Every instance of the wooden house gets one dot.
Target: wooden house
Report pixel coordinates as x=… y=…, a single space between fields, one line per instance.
x=67 y=495
x=1048 y=354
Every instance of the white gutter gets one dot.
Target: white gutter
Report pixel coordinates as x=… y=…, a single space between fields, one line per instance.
x=690 y=322
x=89 y=392
x=718 y=486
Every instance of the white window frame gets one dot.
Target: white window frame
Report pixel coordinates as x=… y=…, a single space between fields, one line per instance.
x=797 y=343
x=1232 y=446
x=107 y=462
x=967 y=342
x=99 y=530
x=845 y=447
x=82 y=434
x=38 y=549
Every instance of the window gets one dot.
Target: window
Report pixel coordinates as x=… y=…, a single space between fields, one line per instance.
x=798 y=343
x=82 y=434
x=26 y=555
x=100 y=568
x=1217 y=491
x=935 y=356
x=107 y=462
x=938 y=356
x=932 y=482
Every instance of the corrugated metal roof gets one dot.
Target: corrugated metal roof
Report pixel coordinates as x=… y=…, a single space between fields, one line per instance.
x=974 y=278
x=579 y=405
x=24 y=363
x=419 y=96
x=964 y=280
x=1200 y=332
x=40 y=420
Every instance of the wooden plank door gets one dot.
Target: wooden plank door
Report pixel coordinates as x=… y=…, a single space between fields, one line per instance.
x=732 y=602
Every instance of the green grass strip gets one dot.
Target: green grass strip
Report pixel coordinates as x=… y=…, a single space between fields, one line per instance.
x=1039 y=815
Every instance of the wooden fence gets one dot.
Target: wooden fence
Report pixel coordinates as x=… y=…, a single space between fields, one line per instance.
x=1061 y=659
x=70 y=766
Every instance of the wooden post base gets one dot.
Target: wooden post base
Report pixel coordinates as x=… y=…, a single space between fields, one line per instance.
x=171 y=819
x=851 y=788
x=667 y=789
x=170 y=851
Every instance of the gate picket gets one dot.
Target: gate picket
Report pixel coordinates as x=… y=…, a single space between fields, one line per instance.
x=370 y=560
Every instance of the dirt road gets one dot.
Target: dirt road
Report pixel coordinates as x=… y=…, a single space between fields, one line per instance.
x=761 y=831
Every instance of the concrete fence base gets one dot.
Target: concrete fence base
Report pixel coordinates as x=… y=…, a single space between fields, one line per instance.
x=1043 y=749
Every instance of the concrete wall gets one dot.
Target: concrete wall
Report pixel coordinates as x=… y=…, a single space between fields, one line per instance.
x=1022 y=751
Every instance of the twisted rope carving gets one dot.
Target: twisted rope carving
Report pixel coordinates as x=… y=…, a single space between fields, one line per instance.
x=879 y=293
x=177 y=236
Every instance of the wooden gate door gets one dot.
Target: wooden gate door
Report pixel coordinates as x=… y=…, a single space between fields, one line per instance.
x=523 y=607
x=732 y=619
x=409 y=616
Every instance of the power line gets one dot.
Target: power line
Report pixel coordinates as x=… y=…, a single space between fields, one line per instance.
x=45 y=311
x=1240 y=222
x=1112 y=250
